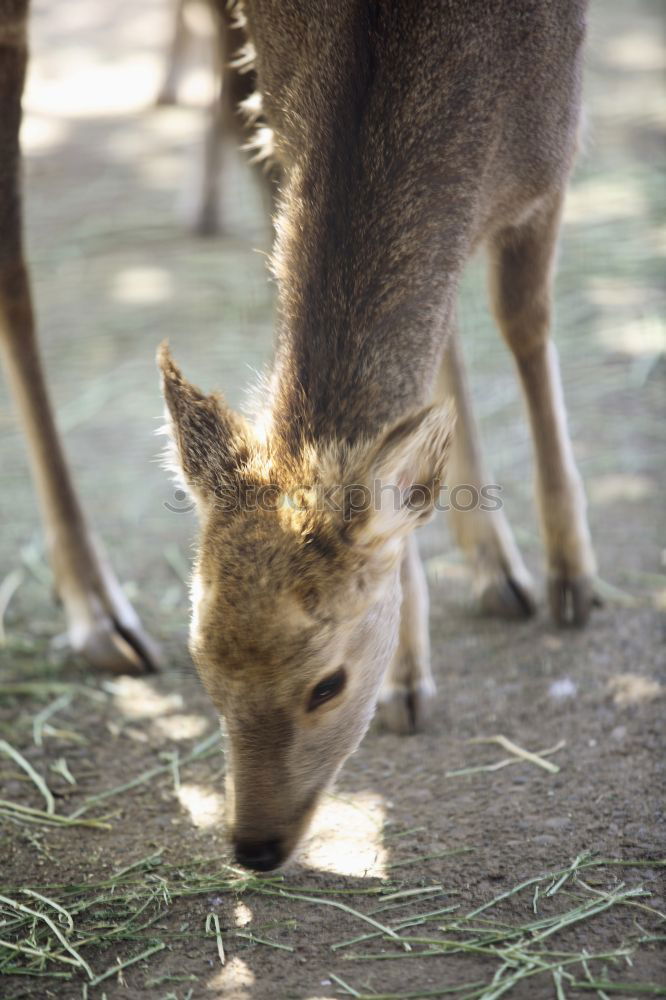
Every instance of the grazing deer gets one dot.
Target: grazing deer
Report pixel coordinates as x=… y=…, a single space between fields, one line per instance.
x=408 y=136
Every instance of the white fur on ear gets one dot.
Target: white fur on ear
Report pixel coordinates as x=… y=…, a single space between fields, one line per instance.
x=404 y=473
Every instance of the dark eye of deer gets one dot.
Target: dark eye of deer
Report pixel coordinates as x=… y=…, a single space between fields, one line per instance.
x=327 y=689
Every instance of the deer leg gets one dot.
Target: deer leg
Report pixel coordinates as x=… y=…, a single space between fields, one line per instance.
x=521 y=276
x=207 y=215
x=406 y=697
x=228 y=126
x=102 y=624
x=501 y=579
x=168 y=92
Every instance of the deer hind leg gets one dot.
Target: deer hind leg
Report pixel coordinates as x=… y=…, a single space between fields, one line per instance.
x=102 y=624
x=227 y=127
x=175 y=59
x=521 y=277
x=207 y=214
x=406 y=697
x=501 y=580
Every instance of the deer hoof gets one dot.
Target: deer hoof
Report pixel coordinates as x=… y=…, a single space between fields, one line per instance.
x=102 y=625
x=506 y=597
x=165 y=99
x=572 y=599
x=207 y=221
x=108 y=646
x=406 y=709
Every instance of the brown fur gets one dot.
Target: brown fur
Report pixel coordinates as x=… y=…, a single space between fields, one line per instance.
x=102 y=624
x=407 y=135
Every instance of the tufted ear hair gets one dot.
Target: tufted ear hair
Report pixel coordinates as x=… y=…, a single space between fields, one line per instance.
x=400 y=476
x=209 y=439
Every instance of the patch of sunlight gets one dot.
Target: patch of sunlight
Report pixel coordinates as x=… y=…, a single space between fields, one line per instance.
x=198 y=18
x=659 y=600
x=163 y=171
x=619 y=486
x=232 y=980
x=242 y=914
x=206 y=807
x=644 y=336
x=75 y=85
x=142 y=23
x=637 y=51
x=197 y=87
x=182 y=727
x=346 y=836
x=613 y=292
x=138 y=700
x=142 y=286
x=597 y=199
x=40 y=133
x=179 y=124
x=632 y=689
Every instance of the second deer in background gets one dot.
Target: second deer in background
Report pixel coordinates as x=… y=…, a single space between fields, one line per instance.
x=231 y=123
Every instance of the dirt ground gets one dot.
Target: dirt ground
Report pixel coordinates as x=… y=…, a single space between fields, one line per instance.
x=108 y=181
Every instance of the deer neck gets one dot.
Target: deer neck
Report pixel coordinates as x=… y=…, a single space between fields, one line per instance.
x=366 y=286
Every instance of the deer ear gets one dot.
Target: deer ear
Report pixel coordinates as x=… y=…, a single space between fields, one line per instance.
x=209 y=440
x=403 y=475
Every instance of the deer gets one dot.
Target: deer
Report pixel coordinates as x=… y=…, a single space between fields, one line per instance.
x=407 y=137
x=232 y=109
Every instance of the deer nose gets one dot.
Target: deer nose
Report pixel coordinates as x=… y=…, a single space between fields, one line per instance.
x=259 y=855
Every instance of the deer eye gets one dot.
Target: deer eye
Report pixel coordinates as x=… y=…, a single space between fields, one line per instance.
x=327 y=689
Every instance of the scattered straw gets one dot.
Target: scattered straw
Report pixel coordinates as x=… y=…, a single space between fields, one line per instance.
x=37 y=779
x=38 y=915
x=213 y=927
x=70 y=921
x=209 y=745
x=511 y=747
x=340 y=906
x=39 y=689
x=39 y=720
x=60 y=766
x=8 y=588
x=453 y=852
x=25 y=814
x=259 y=940
x=505 y=762
x=114 y=969
x=522 y=951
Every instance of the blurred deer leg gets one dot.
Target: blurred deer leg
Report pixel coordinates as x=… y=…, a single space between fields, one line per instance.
x=207 y=216
x=101 y=623
x=406 y=697
x=501 y=579
x=522 y=269
x=168 y=92
x=228 y=128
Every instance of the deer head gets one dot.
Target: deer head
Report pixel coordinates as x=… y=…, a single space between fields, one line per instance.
x=295 y=595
